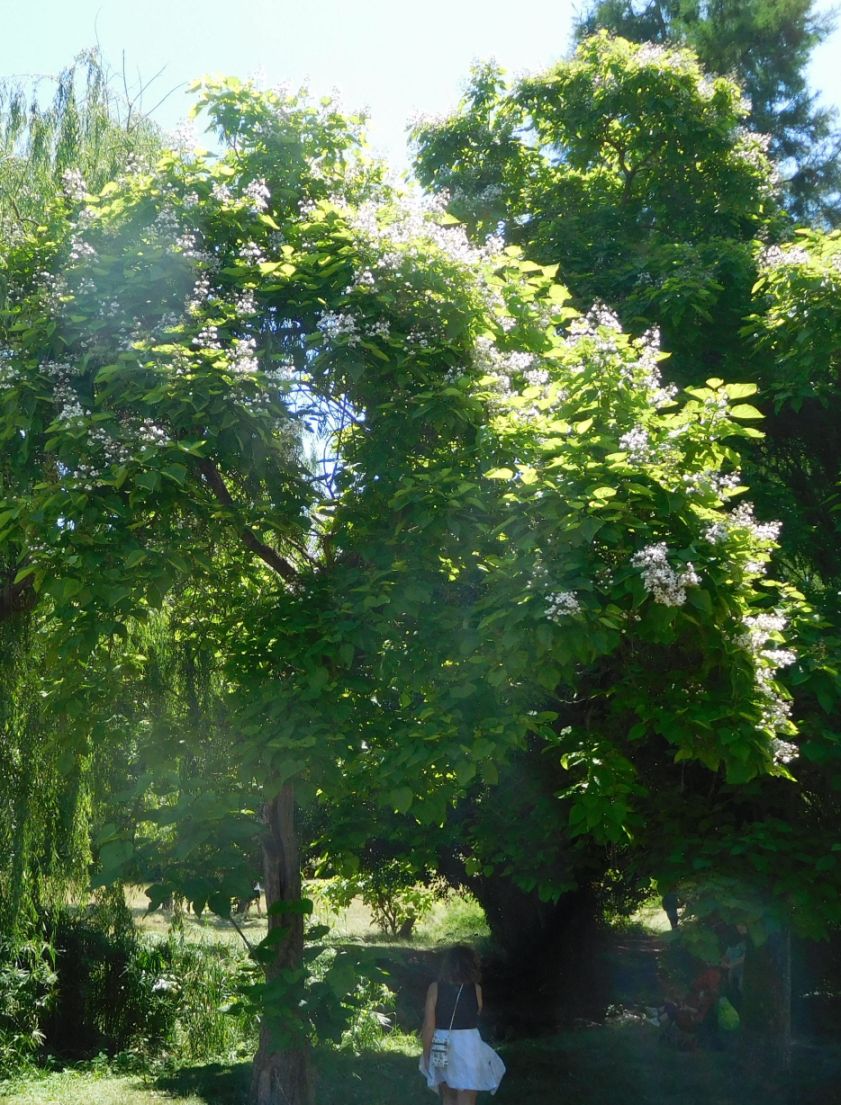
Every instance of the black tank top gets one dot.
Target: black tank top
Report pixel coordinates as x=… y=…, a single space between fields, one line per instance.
x=466 y=1011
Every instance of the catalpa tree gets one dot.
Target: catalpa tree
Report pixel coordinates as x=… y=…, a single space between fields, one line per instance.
x=523 y=536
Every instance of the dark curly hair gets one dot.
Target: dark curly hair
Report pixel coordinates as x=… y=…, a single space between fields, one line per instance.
x=460 y=965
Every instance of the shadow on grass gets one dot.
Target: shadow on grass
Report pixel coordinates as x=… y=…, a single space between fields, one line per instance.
x=215 y=1083
x=613 y=1065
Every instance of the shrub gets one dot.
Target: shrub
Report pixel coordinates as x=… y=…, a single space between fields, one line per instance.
x=396 y=899
x=27 y=989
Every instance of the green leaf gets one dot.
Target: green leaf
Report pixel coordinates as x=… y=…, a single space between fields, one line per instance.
x=745 y=410
x=281 y=908
x=176 y=472
x=149 y=480
x=740 y=391
x=401 y=799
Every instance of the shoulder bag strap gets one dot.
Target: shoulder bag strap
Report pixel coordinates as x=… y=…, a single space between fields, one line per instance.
x=458 y=995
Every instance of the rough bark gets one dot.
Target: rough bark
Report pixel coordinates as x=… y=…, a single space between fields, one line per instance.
x=766 y=1007
x=282 y=1075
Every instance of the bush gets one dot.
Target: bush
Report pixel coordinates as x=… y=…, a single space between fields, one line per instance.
x=396 y=900
x=27 y=989
x=97 y=987
x=457 y=919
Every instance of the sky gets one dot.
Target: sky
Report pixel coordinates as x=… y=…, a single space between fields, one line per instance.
x=394 y=59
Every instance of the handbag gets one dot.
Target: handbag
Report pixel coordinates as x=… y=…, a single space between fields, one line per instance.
x=440 y=1051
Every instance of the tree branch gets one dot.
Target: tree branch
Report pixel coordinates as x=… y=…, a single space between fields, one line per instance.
x=248 y=943
x=265 y=552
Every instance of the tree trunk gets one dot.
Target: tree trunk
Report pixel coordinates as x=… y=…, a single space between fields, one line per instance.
x=281 y=1074
x=550 y=973
x=766 y=1008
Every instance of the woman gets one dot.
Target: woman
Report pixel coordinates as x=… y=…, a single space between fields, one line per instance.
x=450 y=1024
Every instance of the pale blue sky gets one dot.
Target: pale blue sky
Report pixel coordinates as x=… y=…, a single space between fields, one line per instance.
x=391 y=57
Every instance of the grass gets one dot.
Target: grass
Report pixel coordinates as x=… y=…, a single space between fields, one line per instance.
x=451 y=920
x=611 y=1065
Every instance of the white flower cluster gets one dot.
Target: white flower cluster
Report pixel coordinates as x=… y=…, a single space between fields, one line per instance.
x=752 y=147
x=758 y=628
x=494 y=365
x=57 y=370
x=252 y=254
x=536 y=377
x=73 y=185
x=665 y=585
x=85 y=286
x=417 y=221
x=199 y=295
x=715 y=408
x=8 y=370
x=245 y=304
x=637 y=445
x=561 y=604
x=55 y=289
x=220 y=192
x=243 y=359
x=775 y=257
x=108 y=308
x=187 y=245
x=646 y=372
x=87 y=474
x=183 y=138
x=599 y=317
x=599 y=327
x=79 y=250
x=150 y=433
x=208 y=337
x=783 y=752
x=363 y=279
x=776 y=711
x=114 y=451
x=336 y=324
x=257 y=192
x=166 y=323
x=166 y=224
x=662 y=57
x=744 y=518
x=717 y=533
x=279 y=375
x=70 y=408
x=711 y=482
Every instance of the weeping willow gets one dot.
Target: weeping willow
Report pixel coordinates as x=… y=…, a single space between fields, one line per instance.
x=74 y=123
x=44 y=791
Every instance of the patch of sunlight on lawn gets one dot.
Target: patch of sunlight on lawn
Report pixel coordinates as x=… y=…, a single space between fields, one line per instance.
x=84 y=1088
x=651 y=916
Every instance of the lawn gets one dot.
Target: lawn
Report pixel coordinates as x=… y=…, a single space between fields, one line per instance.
x=620 y=1064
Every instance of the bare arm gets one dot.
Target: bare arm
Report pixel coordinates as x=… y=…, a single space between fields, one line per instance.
x=428 y=1029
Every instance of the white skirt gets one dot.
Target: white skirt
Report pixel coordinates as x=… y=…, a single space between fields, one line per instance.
x=471 y=1063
